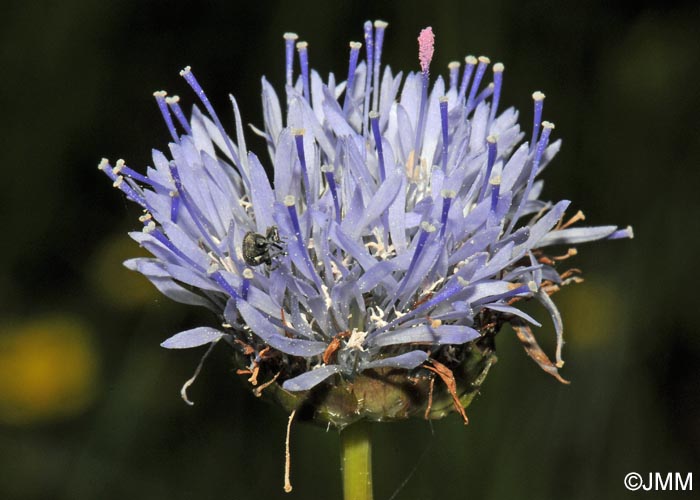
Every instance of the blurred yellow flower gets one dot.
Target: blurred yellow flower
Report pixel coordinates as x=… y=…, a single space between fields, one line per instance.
x=48 y=369
x=593 y=312
x=111 y=280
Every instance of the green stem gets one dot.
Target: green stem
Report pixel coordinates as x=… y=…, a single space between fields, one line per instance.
x=356 y=461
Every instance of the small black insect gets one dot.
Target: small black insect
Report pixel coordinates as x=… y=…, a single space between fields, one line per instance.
x=259 y=249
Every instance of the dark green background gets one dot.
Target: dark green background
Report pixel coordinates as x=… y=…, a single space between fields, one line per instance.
x=622 y=86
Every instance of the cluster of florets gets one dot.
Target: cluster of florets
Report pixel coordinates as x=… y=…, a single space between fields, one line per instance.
x=402 y=217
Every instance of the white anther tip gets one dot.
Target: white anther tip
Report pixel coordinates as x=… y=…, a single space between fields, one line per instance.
x=290 y=36
x=537 y=95
x=186 y=71
x=290 y=200
x=248 y=273
x=448 y=193
x=443 y=98
x=492 y=139
x=484 y=60
x=548 y=125
x=373 y=114
x=454 y=65
x=159 y=93
x=103 y=164
x=498 y=67
x=380 y=24
x=172 y=99
x=356 y=45
x=471 y=60
x=302 y=45
x=298 y=131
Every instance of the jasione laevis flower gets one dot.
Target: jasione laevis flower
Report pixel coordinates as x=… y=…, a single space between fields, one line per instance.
x=400 y=228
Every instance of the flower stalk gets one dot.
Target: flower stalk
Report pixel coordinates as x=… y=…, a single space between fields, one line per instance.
x=356 y=461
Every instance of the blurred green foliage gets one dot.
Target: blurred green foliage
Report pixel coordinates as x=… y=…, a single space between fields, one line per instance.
x=100 y=412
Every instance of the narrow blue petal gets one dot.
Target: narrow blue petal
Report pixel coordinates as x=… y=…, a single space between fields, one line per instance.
x=504 y=308
x=407 y=361
x=441 y=335
x=575 y=235
x=311 y=379
x=269 y=332
x=193 y=338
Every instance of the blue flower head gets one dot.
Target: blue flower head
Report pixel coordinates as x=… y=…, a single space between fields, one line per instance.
x=401 y=226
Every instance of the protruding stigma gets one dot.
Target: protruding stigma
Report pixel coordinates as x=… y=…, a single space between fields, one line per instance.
x=426 y=48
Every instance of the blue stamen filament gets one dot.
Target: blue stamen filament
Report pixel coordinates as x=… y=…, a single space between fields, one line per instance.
x=245 y=287
x=541 y=145
x=425 y=230
x=118 y=182
x=425 y=81
x=454 y=74
x=289 y=40
x=445 y=132
x=122 y=169
x=290 y=202
x=490 y=161
x=497 y=83
x=194 y=84
x=299 y=140
x=478 y=76
x=447 y=196
x=538 y=98
x=198 y=218
x=495 y=192
x=374 y=120
x=352 y=66
x=215 y=275
x=174 y=103
x=470 y=64
x=174 y=206
x=303 y=49
x=453 y=287
x=369 y=49
x=165 y=111
x=221 y=281
x=149 y=228
x=379 y=27
x=483 y=95
x=330 y=178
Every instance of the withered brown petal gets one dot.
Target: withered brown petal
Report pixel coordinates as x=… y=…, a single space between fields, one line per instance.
x=533 y=349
